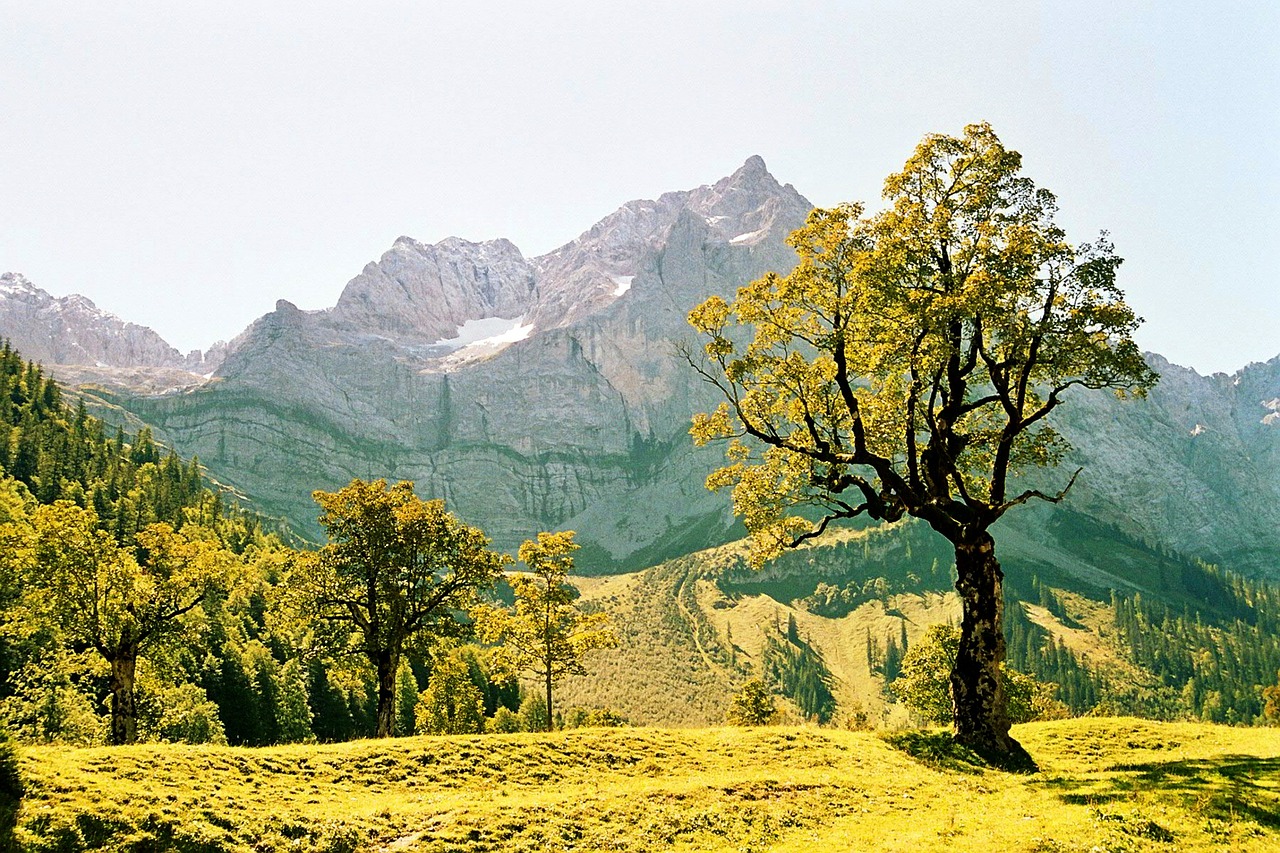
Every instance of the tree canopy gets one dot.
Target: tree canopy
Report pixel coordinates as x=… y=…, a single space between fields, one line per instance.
x=121 y=602
x=908 y=365
x=396 y=567
x=547 y=635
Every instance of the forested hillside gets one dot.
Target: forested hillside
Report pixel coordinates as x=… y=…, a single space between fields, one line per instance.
x=137 y=603
x=1116 y=624
x=1164 y=637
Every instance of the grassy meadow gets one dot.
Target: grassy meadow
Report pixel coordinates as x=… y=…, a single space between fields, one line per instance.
x=1104 y=785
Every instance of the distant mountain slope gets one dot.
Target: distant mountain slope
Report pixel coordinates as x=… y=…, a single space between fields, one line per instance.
x=1194 y=467
x=545 y=392
x=71 y=330
x=530 y=394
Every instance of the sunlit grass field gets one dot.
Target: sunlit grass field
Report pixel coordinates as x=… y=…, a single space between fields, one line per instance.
x=1104 y=785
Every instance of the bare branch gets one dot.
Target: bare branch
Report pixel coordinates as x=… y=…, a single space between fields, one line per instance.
x=1039 y=495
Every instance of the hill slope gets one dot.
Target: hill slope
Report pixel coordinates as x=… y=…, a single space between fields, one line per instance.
x=1112 y=784
x=1108 y=618
x=544 y=393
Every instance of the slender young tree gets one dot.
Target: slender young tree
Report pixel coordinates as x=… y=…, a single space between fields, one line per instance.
x=396 y=566
x=908 y=366
x=546 y=635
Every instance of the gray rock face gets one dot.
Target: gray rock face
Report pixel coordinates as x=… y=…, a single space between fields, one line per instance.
x=1192 y=467
x=424 y=293
x=71 y=330
x=529 y=394
x=744 y=209
x=547 y=393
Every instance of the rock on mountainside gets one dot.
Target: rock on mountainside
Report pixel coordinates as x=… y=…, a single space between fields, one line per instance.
x=1193 y=467
x=419 y=293
x=529 y=393
x=546 y=393
x=71 y=330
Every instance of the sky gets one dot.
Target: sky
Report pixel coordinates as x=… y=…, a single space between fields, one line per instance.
x=184 y=165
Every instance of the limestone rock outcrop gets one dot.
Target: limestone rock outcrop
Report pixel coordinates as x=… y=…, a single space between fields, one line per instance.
x=424 y=293
x=71 y=330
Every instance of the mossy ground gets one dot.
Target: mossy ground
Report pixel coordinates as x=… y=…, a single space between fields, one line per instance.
x=1114 y=785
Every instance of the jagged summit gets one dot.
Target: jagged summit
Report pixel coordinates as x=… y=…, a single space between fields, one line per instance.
x=13 y=283
x=542 y=393
x=419 y=293
x=601 y=265
x=72 y=330
x=753 y=172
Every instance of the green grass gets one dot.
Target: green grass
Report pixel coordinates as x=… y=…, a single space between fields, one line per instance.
x=1114 y=785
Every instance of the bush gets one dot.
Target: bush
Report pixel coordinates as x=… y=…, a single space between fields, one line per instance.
x=856 y=718
x=451 y=704
x=606 y=718
x=581 y=718
x=189 y=717
x=753 y=706
x=505 y=721
x=925 y=684
x=533 y=713
x=47 y=706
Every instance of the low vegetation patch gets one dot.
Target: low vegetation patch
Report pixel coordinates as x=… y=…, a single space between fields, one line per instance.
x=1116 y=785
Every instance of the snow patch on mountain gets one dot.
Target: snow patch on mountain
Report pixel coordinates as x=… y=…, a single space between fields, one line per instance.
x=622 y=283
x=487 y=331
x=749 y=237
x=478 y=340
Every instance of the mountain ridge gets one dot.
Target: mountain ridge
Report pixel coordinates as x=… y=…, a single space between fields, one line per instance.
x=573 y=410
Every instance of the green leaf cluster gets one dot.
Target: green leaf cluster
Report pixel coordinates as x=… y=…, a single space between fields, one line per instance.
x=924 y=685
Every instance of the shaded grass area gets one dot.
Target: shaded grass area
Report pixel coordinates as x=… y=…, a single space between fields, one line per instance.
x=1117 y=785
x=937 y=749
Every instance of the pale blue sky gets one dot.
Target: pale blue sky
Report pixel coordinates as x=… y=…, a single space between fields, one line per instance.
x=186 y=164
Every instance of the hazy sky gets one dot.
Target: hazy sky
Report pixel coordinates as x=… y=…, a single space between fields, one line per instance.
x=186 y=164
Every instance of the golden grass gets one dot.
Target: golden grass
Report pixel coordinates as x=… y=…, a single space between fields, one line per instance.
x=1113 y=785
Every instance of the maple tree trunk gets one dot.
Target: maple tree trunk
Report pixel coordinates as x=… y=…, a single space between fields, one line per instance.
x=977 y=690
x=124 y=710
x=387 y=664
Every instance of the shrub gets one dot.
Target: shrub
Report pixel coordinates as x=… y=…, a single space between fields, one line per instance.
x=606 y=718
x=579 y=718
x=533 y=713
x=925 y=684
x=47 y=706
x=188 y=716
x=753 y=706
x=451 y=704
x=505 y=721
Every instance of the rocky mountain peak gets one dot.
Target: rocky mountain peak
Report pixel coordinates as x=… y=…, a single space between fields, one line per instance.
x=746 y=207
x=15 y=283
x=752 y=174
x=419 y=293
x=72 y=330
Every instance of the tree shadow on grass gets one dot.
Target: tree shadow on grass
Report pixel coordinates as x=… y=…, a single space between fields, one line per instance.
x=940 y=749
x=1229 y=788
x=936 y=749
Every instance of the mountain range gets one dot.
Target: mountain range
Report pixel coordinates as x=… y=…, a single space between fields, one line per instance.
x=540 y=393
